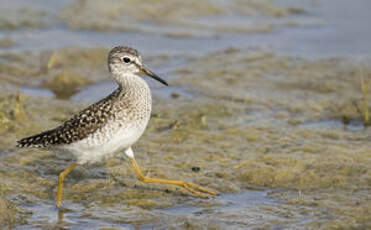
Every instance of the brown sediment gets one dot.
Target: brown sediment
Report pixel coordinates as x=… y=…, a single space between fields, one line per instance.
x=63 y=71
x=11 y=109
x=172 y=18
x=7 y=214
x=255 y=122
x=12 y=18
x=66 y=84
x=6 y=42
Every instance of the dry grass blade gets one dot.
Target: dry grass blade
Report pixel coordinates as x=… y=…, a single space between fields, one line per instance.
x=364 y=88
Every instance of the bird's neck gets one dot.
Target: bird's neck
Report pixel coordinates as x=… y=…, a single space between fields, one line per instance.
x=131 y=83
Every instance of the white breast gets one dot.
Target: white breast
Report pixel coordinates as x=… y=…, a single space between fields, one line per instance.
x=106 y=142
x=123 y=130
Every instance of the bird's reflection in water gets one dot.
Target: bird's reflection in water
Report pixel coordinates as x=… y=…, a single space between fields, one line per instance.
x=60 y=216
x=61 y=225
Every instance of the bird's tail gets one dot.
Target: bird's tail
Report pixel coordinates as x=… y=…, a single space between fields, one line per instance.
x=38 y=140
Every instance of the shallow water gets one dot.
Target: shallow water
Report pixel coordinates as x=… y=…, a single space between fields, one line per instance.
x=271 y=114
x=328 y=124
x=229 y=203
x=325 y=29
x=46 y=215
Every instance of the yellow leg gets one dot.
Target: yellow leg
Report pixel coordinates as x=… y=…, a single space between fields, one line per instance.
x=193 y=188
x=61 y=177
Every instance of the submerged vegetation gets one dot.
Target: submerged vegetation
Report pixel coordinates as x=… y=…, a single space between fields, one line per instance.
x=174 y=18
x=238 y=138
x=282 y=138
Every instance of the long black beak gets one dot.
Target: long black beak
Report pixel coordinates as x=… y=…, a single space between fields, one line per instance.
x=148 y=72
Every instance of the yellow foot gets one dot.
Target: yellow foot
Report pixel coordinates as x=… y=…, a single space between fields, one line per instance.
x=192 y=188
x=197 y=190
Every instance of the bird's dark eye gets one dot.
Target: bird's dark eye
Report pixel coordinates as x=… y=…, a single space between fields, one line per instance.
x=126 y=59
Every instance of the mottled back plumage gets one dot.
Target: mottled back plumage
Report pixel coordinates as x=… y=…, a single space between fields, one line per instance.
x=78 y=127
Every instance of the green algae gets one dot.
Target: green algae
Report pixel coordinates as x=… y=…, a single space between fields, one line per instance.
x=256 y=120
x=66 y=84
x=12 y=19
x=11 y=110
x=253 y=127
x=286 y=154
x=7 y=214
x=6 y=42
x=65 y=72
x=172 y=18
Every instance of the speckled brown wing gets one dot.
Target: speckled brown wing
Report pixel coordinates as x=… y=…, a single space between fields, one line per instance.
x=77 y=128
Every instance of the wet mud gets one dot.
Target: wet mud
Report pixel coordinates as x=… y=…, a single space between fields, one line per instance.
x=176 y=18
x=237 y=132
x=282 y=138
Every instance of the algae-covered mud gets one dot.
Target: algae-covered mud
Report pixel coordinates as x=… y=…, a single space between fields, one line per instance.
x=175 y=18
x=279 y=130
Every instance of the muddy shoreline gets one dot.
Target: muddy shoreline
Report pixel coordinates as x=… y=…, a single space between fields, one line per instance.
x=242 y=138
x=281 y=136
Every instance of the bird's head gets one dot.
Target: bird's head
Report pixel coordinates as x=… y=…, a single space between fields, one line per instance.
x=124 y=60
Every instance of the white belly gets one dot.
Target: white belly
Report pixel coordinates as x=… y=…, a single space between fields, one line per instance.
x=109 y=140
